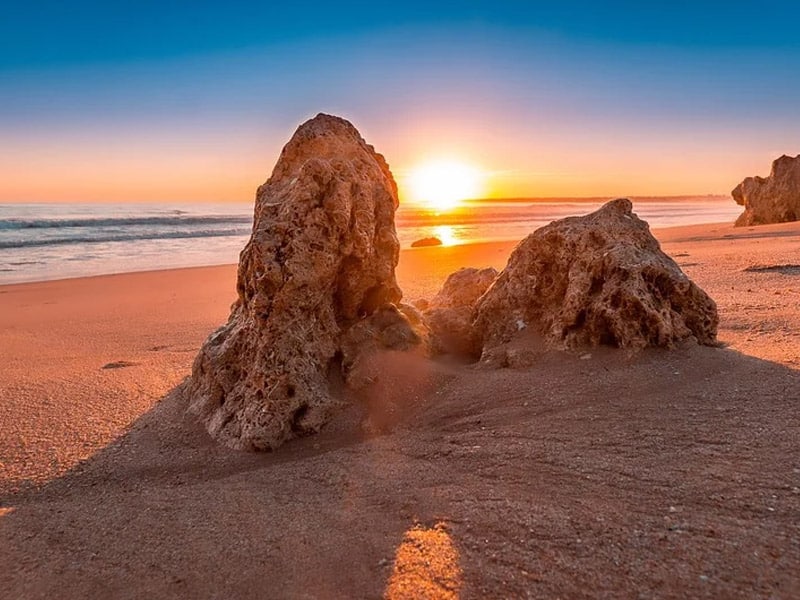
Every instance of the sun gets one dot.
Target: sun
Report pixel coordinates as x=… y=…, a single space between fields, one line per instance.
x=442 y=185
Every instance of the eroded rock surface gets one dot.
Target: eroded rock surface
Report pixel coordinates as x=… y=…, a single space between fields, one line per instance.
x=600 y=279
x=318 y=271
x=464 y=287
x=449 y=314
x=773 y=199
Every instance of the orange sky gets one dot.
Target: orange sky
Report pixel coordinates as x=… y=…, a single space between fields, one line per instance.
x=541 y=116
x=153 y=165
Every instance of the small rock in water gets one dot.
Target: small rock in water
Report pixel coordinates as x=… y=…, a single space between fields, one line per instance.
x=428 y=241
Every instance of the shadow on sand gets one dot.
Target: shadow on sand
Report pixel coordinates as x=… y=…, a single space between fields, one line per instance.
x=666 y=474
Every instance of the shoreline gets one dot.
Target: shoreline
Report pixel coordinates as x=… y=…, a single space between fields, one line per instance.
x=451 y=254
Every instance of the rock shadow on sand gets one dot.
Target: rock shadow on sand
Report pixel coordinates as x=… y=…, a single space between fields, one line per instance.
x=676 y=471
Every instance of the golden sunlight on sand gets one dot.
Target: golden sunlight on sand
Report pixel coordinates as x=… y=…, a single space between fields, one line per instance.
x=442 y=185
x=425 y=566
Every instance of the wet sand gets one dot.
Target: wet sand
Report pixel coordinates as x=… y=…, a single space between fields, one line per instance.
x=664 y=474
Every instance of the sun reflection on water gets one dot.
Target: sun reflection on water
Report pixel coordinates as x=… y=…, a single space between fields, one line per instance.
x=446 y=234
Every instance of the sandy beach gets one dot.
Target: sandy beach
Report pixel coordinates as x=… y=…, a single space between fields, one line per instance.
x=661 y=474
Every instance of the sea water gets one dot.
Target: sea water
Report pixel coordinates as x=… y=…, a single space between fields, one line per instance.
x=54 y=241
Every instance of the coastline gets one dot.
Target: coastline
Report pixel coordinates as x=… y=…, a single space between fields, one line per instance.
x=42 y=243
x=88 y=434
x=442 y=258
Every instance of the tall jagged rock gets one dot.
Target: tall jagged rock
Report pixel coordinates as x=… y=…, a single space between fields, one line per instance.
x=597 y=279
x=773 y=199
x=320 y=261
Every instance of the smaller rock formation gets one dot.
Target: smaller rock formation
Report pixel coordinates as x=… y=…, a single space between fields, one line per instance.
x=388 y=328
x=600 y=279
x=316 y=287
x=449 y=315
x=424 y=242
x=773 y=199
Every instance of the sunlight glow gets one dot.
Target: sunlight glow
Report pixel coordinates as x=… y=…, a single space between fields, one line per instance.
x=446 y=234
x=442 y=185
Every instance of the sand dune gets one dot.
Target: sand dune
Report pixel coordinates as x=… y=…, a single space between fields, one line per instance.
x=662 y=474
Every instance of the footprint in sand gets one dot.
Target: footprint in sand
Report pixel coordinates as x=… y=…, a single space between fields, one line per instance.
x=119 y=364
x=782 y=269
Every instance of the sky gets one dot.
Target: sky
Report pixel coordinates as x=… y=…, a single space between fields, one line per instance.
x=192 y=101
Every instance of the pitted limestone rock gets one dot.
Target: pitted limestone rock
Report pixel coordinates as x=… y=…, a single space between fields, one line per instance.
x=600 y=279
x=320 y=260
x=773 y=199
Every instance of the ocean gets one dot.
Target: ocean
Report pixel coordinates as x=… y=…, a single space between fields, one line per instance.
x=54 y=241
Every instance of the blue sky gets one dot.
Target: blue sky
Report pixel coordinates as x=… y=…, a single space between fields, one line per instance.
x=34 y=34
x=194 y=100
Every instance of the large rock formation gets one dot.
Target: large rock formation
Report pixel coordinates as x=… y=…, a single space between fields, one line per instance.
x=773 y=199
x=317 y=273
x=592 y=280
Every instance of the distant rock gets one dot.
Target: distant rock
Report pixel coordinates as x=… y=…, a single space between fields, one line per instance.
x=449 y=314
x=316 y=281
x=600 y=279
x=428 y=241
x=773 y=199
